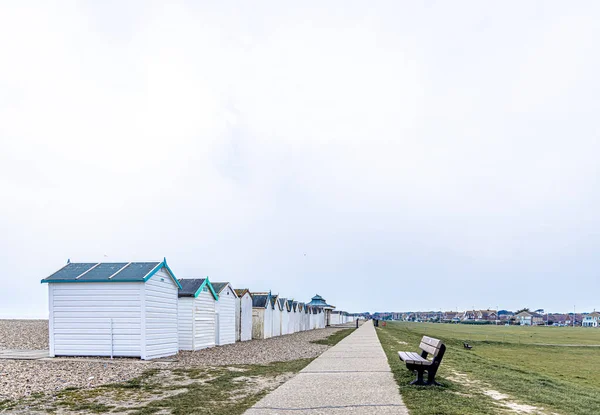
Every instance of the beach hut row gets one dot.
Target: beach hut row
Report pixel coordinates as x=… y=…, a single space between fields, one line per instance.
x=140 y=309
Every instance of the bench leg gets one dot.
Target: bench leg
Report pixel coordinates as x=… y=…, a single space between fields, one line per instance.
x=431 y=376
x=419 y=380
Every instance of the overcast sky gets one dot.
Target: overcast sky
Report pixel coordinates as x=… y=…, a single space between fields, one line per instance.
x=387 y=155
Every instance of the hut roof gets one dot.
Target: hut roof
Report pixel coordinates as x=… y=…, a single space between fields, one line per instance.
x=192 y=287
x=109 y=272
x=260 y=300
x=242 y=291
x=220 y=286
x=318 y=301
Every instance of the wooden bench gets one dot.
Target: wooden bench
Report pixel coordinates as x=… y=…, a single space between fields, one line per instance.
x=419 y=362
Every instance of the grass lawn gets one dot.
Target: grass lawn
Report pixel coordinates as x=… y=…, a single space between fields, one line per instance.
x=221 y=390
x=335 y=338
x=506 y=360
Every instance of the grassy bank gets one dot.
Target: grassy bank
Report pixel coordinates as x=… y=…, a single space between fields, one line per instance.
x=335 y=338
x=505 y=369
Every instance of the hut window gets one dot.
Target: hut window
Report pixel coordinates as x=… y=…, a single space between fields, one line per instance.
x=205 y=289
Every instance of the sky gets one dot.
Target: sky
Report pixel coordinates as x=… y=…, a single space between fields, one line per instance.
x=390 y=156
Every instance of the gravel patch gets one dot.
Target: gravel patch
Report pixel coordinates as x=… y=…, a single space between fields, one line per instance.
x=24 y=334
x=258 y=352
x=21 y=378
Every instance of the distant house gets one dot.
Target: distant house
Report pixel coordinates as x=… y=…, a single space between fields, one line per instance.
x=449 y=315
x=225 y=309
x=529 y=318
x=558 y=319
x=196 y=314
x=243 y=315
x=262 y=315
x=477 y=315
x=591 y=320
x=488 y=315
x=113 y=309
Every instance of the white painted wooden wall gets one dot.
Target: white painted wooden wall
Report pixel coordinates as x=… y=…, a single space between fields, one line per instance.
x=159 y=336
x=321 y=319
x=225 y=317
x=291 y=321
x=246 y=317
x=268 y=329
x=258 y=323
x=197 y=321
x=276 y=320
x=80 y=319
x=285 y=319
x=133 y=319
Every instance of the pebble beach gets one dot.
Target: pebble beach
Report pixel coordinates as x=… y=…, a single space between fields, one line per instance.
x=21 y=378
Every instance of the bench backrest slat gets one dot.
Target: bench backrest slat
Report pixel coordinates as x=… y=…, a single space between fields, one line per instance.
x=431 y=341
x=430 y=345
x=429 y=349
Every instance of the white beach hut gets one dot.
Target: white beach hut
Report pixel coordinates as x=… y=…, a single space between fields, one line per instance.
x=285 y=315
x=243 y=315
x=113 y=309
x=291 y=316
x=313 y=318
x=196 y=314
x=276 y=316
x=225 y=313
x=296 y=315
x=325 y=320
x=262 y=316
x=300 y=317
x=336 y=318
x=306 y=317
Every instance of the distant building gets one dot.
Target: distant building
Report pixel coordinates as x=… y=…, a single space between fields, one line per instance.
x=591 y=320
x=243 y=315
x=225 y=313
x=529 y=318
x=478 y=315
x=319 y=302
x=113 y=309
x=262 y=315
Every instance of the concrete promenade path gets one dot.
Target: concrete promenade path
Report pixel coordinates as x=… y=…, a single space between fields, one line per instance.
x=353 y=377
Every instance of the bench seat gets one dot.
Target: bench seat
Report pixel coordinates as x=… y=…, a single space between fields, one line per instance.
x=414 y=358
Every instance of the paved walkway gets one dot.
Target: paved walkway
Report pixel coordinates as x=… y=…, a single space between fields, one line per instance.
x=15 y=354
x=353 y=377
